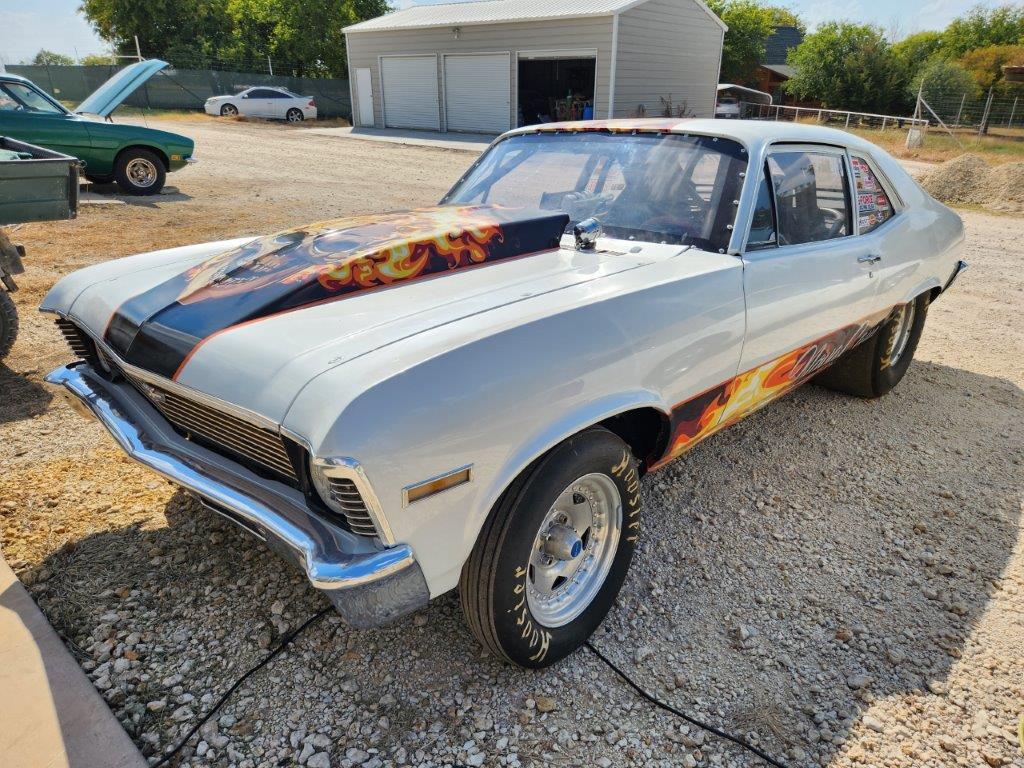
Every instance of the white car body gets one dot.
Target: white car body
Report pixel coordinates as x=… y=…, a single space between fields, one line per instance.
x=263 y=101
x=484 y=370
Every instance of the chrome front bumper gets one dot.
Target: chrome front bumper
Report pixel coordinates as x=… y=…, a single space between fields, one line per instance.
x=367 y=585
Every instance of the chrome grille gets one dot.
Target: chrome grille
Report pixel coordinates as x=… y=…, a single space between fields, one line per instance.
x=80 y=345
x=262 y=446
x=345 y=494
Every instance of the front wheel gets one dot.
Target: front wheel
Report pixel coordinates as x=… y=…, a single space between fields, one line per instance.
x=875 y=366
x=554 y=551
x=229 y=110
x=8 y=323
x=294 y=115
x=139 y=171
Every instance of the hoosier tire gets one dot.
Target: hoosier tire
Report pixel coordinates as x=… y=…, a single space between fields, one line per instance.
x=875 y=366
x=8 y=323
x=554 y=551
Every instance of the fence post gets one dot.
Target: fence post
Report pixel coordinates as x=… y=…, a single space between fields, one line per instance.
x=270 y=66
x=847 y=120
x=983 y=128
x=884 y=118
x=1013 y=109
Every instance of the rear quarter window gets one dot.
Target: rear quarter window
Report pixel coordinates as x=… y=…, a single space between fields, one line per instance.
x=874 y=206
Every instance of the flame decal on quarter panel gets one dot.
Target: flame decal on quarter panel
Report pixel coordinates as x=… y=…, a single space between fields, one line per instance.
x=160 y=329
x=728 y=402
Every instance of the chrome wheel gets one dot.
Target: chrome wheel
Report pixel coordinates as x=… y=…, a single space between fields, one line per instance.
x=295 y=116
x=574 y=550
x=229 y=110
x=904 y=325
x=141 y=172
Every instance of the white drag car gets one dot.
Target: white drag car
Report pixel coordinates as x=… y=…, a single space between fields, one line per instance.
x=466 y=396
x=272 y=103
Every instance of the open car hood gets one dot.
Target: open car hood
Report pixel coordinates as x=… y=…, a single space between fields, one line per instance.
x=123 y=84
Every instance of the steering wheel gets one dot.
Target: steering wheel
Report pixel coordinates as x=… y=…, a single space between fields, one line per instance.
x=834 y=222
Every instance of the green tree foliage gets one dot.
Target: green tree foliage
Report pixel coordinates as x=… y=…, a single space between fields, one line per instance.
x=985 y=66
x=847 y=66
x=749 y=24
x=942 y=77
x=914 y=50
x=97 y=60
x=305 y=34
x=49 y=57
x=982 y=27
x=784 y=17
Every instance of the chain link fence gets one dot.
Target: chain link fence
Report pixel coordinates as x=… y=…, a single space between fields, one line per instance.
x=185 y=88
x=971 y=111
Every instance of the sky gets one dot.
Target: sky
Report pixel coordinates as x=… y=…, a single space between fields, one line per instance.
x=28 y=25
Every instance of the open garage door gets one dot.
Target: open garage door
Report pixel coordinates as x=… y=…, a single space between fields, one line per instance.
x=477 y=92
x=409 y=84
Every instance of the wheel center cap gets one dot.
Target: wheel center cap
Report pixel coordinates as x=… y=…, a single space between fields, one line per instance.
x=561 y=542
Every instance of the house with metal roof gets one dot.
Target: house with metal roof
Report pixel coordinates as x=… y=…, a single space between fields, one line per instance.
x=773 y=69
x=492 y=65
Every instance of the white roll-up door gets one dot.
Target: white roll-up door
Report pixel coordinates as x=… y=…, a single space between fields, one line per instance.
x=410 y=92
x=477 y=92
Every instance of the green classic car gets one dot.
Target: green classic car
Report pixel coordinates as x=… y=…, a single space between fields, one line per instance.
x=137 y=158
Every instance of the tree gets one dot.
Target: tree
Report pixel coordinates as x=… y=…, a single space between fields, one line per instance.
x=784 y=17
x=97 y=60
x=49 y=57
x=914 y=50
x=985 y=65
x=981 y=27
x=749 y=24
x=943 y=78
x=847 y=66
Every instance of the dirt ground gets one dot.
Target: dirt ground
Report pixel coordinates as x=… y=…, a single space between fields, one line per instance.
x=840 y=580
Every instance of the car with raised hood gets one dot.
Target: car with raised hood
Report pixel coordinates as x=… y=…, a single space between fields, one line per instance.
x=135 y=157
x=264 y=101
x=467 y=396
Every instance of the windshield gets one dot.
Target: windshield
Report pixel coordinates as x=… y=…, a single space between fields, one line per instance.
x=663 y=188
x=20 y=97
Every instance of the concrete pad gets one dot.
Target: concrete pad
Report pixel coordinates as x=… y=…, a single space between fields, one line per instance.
x=468 y=142
x=51 y=716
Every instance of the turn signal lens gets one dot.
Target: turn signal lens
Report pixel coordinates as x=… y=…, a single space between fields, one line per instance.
x=437 y=484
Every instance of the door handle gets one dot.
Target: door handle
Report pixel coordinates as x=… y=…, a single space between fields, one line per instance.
x=868 y=259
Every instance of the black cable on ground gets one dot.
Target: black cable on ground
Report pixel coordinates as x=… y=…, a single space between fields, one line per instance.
x=220 y=702
x=669 y=708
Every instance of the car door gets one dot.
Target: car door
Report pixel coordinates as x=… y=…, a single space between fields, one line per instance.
x=250 y=103
x=809 y=281
x=278 y=104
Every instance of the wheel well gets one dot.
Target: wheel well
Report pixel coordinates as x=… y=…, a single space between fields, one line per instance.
x=644 y=430
x=158 y=152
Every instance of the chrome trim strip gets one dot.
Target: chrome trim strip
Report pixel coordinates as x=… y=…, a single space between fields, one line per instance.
x=179 y=389
x=332 y=558
x=348 y=468
x=961 y=265
x=449 y=473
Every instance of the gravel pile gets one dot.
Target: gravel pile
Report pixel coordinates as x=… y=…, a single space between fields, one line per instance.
x=969 y=180
x=841 y=581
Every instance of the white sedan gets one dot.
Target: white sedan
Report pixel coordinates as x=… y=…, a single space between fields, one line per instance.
x=275 y=103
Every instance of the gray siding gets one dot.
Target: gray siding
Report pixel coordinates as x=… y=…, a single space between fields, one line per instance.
x=563 y=34
x=667 y=48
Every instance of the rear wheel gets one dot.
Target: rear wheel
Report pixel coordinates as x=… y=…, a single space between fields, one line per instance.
x=877 y=365
x=8 y=323
x=138 y=171
x=294 y=115
x=554 y=551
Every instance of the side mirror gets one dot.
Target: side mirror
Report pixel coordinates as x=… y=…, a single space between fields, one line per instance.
x=586 y=234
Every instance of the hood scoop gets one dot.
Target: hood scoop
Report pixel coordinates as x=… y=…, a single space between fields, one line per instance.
x=159 y=329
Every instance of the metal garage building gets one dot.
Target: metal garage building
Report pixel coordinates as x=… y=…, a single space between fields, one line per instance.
x=492 y=65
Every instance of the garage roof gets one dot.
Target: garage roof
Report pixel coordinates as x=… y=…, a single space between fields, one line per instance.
x=499 y=11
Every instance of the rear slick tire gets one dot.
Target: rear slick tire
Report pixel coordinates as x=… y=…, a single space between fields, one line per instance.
x=554 y=551
x=875 y=366
x=8 y=323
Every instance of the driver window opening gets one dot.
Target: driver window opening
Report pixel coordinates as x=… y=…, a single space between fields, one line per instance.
x=811 y=196
x=16 y=97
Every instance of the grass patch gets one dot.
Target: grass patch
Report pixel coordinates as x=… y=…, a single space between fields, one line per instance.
x=939 y=146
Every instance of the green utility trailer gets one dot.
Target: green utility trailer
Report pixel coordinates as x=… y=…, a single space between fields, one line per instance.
x=36 y=184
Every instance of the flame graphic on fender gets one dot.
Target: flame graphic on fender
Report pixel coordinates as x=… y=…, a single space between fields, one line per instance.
x=728 y=402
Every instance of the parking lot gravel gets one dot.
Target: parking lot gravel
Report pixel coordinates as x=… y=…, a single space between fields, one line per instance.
x=839 y=580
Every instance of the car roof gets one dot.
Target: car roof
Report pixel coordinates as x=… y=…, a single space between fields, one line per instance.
x=752 y=134
x=7 y=77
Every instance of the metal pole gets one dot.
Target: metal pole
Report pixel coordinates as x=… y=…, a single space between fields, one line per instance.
x=270 y=66
x=983 y=128
x=960 y=111
x=138 y=50
x=847 y=120
x=1013 y=109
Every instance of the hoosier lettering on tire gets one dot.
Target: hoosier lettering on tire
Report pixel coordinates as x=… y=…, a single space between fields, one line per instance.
x=555 y=550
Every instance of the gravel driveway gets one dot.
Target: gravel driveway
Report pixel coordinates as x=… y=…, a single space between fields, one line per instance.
x=841 y=580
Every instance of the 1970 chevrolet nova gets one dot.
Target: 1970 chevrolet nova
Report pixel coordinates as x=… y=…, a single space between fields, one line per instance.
x=467 y=395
